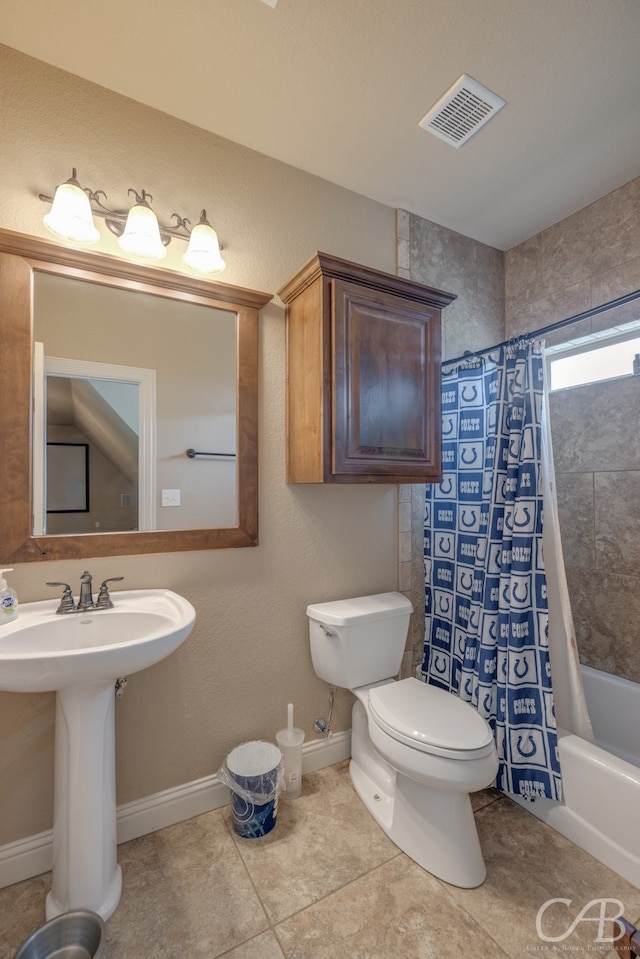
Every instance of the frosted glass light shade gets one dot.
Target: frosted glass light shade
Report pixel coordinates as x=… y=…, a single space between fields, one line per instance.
x=141 y=235
x=70 y=216
x=203 y=252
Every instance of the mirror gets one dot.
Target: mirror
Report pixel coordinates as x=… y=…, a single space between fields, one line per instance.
x=100 y=341
x=188 y=347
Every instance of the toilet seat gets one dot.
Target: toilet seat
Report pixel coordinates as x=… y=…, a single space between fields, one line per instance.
x=430 y=719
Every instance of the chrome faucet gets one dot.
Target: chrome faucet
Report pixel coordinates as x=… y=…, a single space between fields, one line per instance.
x=85 y=600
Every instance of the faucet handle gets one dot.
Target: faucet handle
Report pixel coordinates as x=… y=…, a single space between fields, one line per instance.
x=104 y=600
x=67 y=604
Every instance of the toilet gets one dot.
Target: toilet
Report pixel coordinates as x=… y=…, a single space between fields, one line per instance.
x=417 y=751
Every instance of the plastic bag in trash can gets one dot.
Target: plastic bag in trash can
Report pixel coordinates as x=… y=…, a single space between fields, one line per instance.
x=253 y=771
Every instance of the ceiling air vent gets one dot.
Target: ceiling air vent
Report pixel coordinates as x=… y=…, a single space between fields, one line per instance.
x=464 y=108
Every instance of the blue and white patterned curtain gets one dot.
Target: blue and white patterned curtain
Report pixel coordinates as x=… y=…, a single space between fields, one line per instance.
x=486 y=635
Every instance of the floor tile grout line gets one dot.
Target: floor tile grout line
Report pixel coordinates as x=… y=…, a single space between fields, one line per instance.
x=273 y=924
x=237 y=852
x=473 y=920
x=333 y=892
x=230 y=951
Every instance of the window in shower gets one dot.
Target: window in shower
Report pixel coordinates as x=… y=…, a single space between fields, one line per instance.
x=599 y=356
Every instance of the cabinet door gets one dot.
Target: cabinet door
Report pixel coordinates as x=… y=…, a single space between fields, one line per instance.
x=386 y=385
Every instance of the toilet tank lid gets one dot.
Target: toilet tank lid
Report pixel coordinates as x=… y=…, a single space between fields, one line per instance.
x=361 y=609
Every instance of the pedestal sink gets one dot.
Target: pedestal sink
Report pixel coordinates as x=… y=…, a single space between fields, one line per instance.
x=80 y=656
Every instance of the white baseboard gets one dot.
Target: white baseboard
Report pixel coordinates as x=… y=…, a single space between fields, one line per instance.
x=32 y=856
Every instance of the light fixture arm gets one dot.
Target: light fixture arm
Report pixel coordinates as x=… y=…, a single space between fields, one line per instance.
x=116 y=220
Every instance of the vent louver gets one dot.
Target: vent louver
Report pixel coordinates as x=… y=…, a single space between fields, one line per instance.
x=461 y=111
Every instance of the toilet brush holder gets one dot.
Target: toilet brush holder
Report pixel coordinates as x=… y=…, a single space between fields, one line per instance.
x=290 y=742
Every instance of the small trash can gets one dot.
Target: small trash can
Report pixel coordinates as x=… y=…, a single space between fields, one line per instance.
x=253 y=772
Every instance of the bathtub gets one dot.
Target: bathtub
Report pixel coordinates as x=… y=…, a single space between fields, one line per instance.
x=601 y=782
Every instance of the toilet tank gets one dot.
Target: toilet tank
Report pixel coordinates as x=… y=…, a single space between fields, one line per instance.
x=355 y=642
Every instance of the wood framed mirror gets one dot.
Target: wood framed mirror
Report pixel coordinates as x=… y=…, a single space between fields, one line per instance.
x=25 y=263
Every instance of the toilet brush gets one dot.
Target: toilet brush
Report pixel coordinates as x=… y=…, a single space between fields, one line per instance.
x=290 y=742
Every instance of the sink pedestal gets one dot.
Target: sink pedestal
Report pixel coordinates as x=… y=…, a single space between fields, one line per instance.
x=86 y=874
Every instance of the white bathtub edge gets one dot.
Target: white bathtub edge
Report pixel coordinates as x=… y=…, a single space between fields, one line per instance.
x=583 y=834
x=601 y=798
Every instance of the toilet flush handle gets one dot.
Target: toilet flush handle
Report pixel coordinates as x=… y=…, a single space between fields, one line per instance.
x=327 y=630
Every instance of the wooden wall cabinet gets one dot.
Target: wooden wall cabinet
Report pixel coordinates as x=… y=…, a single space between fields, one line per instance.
x=363 y=375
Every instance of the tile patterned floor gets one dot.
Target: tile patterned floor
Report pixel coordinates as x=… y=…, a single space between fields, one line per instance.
x=328 y=884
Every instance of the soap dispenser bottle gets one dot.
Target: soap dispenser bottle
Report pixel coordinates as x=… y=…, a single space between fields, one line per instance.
x=8 y=599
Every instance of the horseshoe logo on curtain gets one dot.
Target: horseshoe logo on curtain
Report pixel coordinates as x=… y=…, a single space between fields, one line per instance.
x=466 y=585
x=468 y=523
x=440 y=669
x=520 y=599
x=522 y=511
x=474 y=394
x=526 y=754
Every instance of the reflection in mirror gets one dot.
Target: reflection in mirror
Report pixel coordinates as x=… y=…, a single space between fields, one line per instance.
x=72 y=322
x=112 y=411
x=190 y=350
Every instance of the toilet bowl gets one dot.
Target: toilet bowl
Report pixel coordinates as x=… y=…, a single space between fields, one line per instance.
x=417 y=751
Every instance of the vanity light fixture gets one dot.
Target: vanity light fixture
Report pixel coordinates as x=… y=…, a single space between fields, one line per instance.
x=139 y=234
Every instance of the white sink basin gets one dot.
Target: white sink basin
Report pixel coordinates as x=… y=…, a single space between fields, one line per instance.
x=43 y=651
x=80 y=655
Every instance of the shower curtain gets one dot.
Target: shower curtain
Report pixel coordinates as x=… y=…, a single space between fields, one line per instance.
x=486 y=636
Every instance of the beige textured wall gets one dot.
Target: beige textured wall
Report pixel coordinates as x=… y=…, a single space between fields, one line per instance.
x=439 y=257
x=248 y=655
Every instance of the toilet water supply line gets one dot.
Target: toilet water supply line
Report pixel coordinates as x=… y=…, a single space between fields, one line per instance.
x=324 y=725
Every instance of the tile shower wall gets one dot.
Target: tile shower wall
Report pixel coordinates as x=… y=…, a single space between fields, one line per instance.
x=586 y=260
x=441 y=258
x=597 y=461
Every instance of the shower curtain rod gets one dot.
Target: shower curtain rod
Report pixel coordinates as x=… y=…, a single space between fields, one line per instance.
x=552 y=327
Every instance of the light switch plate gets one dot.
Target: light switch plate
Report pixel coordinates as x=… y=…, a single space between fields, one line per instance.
x=171 y=497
